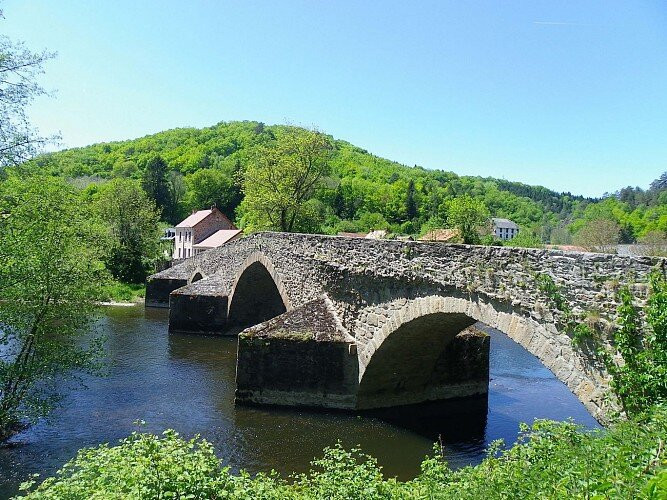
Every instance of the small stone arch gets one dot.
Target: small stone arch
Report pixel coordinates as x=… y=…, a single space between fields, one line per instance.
x=257 y=294
x=196 y=277
x=543 y=340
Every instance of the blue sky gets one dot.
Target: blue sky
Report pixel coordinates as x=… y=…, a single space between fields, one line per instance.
x=570 y=95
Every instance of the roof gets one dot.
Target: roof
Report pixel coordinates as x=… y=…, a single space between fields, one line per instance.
x=440 y=235
x=504 y=223
x=218 y=238
x=352 y=235
x=195 y=218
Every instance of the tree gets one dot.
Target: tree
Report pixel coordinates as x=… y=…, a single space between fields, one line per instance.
x=210 y=186
x=50 y=277
x=469 y=216
x=156 y=183
x=281 y=177
x=132 y=243
x=19 y=68
x=177 y=190
x=599 y=235
x=660 y=183
x=411 y=202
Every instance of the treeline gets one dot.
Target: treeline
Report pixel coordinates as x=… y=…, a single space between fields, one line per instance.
x=356 y=192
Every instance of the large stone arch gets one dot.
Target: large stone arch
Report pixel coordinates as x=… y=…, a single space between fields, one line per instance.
x=257 y=294
x=431 y=316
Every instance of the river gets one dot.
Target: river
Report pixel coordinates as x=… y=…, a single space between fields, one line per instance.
x=186 y=382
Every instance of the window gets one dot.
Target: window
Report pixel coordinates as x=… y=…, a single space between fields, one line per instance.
x=179 y=253
x=188 y=252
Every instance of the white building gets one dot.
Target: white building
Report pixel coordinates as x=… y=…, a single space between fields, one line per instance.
x=200 y=227
x=504 y=229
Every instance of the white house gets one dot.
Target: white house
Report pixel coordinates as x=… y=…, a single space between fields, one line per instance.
x=200 y=227
x=504 y=229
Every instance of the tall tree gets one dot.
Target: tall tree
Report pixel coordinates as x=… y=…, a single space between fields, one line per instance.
x=19 y=68
x=211 y=186
x=411 y=202
x=155 y=182
x=177 y=190
x=599 y=235
x=281 y=177
x=133 y=236
x=50 y=277
x=469 y=216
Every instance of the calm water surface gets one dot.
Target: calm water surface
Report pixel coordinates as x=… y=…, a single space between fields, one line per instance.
x=186 y=383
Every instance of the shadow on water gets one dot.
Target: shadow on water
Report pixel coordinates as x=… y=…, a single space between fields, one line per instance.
x=456 y=423
x=186 y=382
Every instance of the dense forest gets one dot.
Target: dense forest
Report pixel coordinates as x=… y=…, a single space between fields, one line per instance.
x=358 y=192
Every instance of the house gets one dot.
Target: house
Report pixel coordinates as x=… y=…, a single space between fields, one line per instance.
x=442 y=235
x=198 y=228
x=504 y=229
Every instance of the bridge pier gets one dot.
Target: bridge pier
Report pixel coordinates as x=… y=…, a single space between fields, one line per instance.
x=302 y=358
x=197 y=313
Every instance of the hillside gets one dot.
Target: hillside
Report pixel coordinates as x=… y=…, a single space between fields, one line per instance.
x=362 y=192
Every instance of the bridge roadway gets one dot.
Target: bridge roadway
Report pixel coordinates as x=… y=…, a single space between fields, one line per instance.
x=353 y=323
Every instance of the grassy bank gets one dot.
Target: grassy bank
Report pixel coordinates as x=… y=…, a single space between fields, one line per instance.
x=124 y=292
x=550 y=460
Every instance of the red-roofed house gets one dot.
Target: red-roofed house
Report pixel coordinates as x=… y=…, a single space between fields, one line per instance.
x=199 y=227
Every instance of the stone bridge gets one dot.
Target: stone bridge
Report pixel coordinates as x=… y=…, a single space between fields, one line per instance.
x=354 y=323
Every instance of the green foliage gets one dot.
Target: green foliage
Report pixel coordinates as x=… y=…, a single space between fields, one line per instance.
x=357 y=183
x=50 y=278
x=469 y=216
x=155 y=183
x=639 y=377
x=550 y=460
x=132 y=240
x=525 y=239
x=19 y=68
x=115 y=291
x=210 y=186
x=281 y=177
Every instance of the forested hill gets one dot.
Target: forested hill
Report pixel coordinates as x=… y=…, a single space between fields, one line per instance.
x=361 y=192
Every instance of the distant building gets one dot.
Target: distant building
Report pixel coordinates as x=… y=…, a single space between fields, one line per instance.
x=201 y=228
x=442 y=235
x=504 y=229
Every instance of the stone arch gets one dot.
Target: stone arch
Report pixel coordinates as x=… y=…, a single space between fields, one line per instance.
x=443 y=315
x=257 y=294
x=196 y=277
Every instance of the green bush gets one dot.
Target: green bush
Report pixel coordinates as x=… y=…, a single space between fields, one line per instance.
x=550 y=460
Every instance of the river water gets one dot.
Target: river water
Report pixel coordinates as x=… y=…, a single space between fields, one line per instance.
x=186 y=382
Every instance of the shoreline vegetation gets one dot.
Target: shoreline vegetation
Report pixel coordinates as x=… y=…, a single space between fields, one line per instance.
x=549 y=460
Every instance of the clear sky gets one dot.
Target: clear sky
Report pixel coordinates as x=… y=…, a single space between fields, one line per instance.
x=567 y=94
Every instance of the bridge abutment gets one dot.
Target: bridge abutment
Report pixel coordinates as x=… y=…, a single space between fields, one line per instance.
x=158 y=290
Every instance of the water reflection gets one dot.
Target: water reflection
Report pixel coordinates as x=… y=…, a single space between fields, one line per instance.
x=186 y=382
